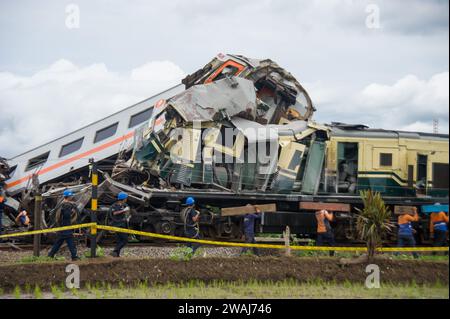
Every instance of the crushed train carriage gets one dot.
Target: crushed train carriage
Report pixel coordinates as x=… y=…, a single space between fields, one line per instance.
x=242 y=132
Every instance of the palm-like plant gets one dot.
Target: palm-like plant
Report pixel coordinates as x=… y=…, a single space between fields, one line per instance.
x=374 y=221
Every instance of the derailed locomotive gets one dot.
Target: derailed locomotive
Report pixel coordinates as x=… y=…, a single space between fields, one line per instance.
x=242 y=132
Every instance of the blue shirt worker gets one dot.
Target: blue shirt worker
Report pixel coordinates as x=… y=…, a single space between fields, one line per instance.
x=249 y=230
x=119 y=213
x=22 y=219
x=64 y=217
x=405 y=230
x=439 y=229
x=191 y=218
x=325 y=233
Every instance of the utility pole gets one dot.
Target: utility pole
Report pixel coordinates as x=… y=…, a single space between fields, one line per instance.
x=94 y=206
x=37 y=215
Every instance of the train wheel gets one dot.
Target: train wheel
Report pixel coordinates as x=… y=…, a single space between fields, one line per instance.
x=164 y=228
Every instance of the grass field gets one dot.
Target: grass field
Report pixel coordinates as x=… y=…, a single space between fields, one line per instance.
x=223 y=290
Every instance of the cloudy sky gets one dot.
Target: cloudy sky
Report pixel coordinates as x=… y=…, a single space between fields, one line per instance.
x=380 y=63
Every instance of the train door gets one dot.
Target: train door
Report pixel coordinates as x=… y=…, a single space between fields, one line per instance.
x=440 y=178
x=422 y=173
x=313 y=168
x=347 y=167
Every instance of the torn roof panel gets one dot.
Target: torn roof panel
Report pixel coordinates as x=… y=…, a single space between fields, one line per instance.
x=289 y=96
x=206 y=102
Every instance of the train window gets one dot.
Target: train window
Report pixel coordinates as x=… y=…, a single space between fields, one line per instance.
x=422 y=164
x=105 y=133
x=37 y=161
x=385 y=159
x=229 y=68
x=71 y=147
x=140 y=117
x=347 y=167
x=295 y=162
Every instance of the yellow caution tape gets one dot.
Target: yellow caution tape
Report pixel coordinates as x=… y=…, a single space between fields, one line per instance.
x=223 y=243
x=49 y=230
x=96 y=226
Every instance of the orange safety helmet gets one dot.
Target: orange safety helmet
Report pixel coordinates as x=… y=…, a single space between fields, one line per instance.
x=1 y=199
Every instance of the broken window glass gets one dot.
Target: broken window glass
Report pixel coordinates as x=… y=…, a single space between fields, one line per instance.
x=37 y=161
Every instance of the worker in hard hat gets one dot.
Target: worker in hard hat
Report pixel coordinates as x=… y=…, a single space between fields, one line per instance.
x=249 y=229
x=406 y=231
x=119 y=214
x=325 y=233
x=439 y=228
x=191 y=219
x=67 y=214
x=22 y=219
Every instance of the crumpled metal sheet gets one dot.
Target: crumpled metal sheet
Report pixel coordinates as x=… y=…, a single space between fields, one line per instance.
x=296 y=104
x=255 y=132
x=206 y=102
x=286 y=83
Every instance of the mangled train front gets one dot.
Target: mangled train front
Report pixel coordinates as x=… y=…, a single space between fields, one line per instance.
x=244 y=131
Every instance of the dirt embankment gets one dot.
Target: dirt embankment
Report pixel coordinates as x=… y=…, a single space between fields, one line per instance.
x=155 y=271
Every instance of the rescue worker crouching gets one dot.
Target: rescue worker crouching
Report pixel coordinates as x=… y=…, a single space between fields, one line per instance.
x=249 y=230
x=119 y=213
x=438 y=229
x=64 y=218
x=191 y=218
x=325 y=233
x=22 y=219
x=406 y=232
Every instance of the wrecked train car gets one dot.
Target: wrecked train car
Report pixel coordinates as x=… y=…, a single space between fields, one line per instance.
x=240 y=132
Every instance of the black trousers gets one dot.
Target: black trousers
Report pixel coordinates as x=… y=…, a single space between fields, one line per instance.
x=194 y=234
x=326 y=239
x=68 y=238
x=250 y=239
x=440 y=240
x=121 y=239
x=407 y=241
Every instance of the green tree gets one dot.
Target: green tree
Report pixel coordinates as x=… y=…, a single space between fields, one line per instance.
x=374 y=221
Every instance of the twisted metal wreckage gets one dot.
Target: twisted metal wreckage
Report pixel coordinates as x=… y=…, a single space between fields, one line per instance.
x=240 y=132
x=211 y=136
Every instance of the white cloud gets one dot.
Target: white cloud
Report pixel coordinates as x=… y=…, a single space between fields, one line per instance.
x=64 y=97
x=410 y=103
